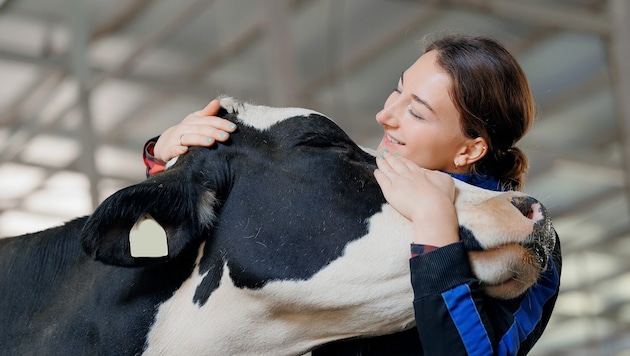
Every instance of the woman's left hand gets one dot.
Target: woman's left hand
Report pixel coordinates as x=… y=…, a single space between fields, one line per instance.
x=201 y=128
x=423 y=196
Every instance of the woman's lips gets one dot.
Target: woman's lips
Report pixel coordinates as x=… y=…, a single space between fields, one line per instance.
x=393 y=140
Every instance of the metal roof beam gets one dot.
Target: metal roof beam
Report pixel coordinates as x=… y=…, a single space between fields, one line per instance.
x=620 y=75
x=280 y=53
x=547 y=15
x=364 y=55
x=97 y=77
x=88 y=139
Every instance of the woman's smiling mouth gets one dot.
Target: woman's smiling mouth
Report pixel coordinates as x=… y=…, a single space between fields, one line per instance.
x=393 y=140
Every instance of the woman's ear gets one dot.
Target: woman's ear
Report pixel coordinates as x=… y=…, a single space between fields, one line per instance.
x=472 y=152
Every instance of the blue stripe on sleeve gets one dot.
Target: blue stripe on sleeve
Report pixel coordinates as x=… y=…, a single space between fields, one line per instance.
x=471 y=329
x=467 y=320
x=530 y=311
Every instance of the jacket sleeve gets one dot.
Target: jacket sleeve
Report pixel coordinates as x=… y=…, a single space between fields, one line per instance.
x=152 y=164
x=454 y=317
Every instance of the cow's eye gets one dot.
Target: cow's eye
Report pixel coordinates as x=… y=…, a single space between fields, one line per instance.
x=317 y=141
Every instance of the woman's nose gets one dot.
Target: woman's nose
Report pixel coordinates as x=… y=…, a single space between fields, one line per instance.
x=387 y=115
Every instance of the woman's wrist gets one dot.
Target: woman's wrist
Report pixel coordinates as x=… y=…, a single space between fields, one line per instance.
x=437 y=226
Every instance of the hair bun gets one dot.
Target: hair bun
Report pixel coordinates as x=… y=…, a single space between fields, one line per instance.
x=512 y=167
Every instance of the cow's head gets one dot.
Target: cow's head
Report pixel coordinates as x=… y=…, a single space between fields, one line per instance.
x=508 y=235
x=290 y=173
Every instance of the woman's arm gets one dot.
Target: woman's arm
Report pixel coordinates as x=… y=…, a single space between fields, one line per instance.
x=454 y=316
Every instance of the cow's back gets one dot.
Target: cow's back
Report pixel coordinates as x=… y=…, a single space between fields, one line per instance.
x=56 y=300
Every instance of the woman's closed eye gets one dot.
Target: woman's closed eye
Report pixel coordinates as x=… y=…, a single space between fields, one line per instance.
x=414 y=114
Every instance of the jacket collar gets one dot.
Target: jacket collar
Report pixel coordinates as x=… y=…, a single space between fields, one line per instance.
x=477 y=180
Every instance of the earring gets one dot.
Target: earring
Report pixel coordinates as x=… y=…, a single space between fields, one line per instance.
x=456 y=164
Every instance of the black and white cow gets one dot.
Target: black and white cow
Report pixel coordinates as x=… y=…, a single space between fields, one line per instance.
x=275 y=242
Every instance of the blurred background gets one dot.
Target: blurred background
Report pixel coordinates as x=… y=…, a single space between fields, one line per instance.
x=84 y=83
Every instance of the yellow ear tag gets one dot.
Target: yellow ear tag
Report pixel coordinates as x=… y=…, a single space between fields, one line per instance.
x=148 y=239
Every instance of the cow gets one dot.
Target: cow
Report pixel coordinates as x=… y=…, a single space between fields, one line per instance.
x=272 y=243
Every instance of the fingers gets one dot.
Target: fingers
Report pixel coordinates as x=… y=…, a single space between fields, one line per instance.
x=395 y=164
x=391 y=168
x=211 y=109
x=394 y=169
x=381 y=178
x=203 y=130
x=165 y=152
x=397 y=170
x=204 y=127
x=200 y=128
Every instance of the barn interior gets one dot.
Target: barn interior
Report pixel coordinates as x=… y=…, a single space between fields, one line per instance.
x=86 y=82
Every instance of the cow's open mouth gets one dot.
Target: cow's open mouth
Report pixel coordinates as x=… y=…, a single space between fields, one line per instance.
x=538 y=253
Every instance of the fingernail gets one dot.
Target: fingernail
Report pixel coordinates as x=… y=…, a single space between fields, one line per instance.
x=224 y=134
x=396 y=155
x=182 y=149
x=376 y=170
x=209 y=139
x=384 y=151
x=380 y=157
x=231 y=127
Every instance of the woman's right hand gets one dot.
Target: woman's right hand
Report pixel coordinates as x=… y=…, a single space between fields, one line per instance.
x=423 y=196
x=201 y=128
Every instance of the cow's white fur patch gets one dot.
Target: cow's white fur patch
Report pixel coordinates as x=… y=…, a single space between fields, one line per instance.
x=491 y=216
x=262 y=117
x=171 y=162
x=206 y=208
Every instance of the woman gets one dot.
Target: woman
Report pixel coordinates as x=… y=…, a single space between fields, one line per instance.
x=456 y=112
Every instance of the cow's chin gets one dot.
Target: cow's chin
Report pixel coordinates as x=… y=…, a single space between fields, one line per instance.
x=506 y=271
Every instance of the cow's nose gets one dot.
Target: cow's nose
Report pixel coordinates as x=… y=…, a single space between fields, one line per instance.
x=542 y=240
x=529 y=207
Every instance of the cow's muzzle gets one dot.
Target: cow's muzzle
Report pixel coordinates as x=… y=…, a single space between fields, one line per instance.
x=542 y=240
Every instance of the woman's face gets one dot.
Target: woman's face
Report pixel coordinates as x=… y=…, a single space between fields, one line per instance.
x=419 y=118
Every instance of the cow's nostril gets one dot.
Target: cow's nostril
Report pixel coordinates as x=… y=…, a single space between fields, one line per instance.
x=528 y=206
x=522 y=205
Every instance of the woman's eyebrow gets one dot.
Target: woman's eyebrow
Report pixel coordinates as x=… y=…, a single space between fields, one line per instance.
x=415 y=97
x=422 y=101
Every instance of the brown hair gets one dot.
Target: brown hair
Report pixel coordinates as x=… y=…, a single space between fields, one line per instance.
x=491 y=92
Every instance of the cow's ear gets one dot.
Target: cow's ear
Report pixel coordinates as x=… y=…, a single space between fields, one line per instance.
x=177 y=211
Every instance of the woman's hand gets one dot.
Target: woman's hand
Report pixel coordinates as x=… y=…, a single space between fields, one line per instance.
x=423 y=196
x=200 y=128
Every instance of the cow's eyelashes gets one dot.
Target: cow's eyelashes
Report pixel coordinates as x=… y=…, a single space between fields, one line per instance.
x=317 y=141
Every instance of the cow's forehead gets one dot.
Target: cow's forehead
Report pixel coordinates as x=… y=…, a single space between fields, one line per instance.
x=262 y=117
